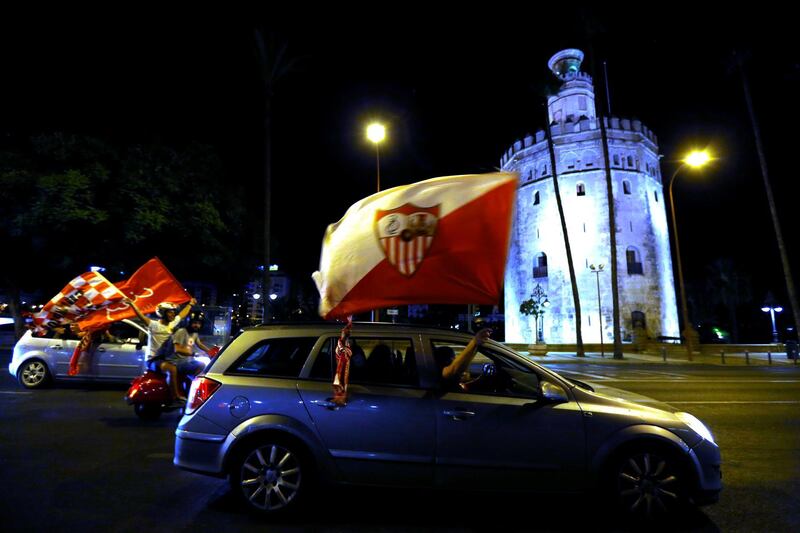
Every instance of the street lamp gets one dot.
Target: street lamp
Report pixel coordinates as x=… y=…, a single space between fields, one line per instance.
x=535 y=306
x=771 y=308
x=376 y=133
x=695 y=159
x=597 y=270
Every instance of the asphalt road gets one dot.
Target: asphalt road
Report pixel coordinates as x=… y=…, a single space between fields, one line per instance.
x=75 y=458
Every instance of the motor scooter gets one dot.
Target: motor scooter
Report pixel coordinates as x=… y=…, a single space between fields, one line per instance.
x=150 y=394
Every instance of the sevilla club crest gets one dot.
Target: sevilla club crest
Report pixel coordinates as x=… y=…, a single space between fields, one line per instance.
x=405 y=235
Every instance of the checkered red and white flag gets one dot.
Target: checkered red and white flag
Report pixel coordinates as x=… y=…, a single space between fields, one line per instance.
x=84 y=294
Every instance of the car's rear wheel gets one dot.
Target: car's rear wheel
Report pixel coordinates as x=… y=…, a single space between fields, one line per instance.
x=147 y=411
x=34 y=374
x=270 y=476
x=648 y=482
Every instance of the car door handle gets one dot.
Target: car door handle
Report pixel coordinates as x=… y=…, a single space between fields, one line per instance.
x=327 y=404
x=101 y=349
x=459 y=415
x=55 y=347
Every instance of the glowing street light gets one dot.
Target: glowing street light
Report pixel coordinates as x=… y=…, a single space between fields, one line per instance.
x=376 y=133
x=771 y=308
x=695 y=159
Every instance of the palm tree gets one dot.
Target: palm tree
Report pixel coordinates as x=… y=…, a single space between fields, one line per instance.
x=575 y=297
x=274 y=64
x=787 y=272
x=727 y=288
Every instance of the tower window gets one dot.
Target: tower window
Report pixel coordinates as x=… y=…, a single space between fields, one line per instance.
x=581 y=189
x=530 y=175
x=626 y=187
x=540 y=266
x=616 y=159
x=582 y=103
x=630 y=161
x=544 y=170
x=634 y=261
x=536 y=198
x=655 y=193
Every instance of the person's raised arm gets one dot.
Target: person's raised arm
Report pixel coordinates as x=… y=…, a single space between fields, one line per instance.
x=186 y=308
x=462 y=360
x=136 y=310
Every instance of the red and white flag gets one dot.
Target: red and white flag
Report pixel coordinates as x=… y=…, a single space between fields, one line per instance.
x=149 y=286
x=443 y=240
x=81 y=296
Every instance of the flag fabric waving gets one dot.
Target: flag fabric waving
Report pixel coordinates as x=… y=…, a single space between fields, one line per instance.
x=443 y=240
x=81 y=296
x=147 y=287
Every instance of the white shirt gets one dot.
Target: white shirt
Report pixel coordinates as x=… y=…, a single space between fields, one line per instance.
x=159 y=333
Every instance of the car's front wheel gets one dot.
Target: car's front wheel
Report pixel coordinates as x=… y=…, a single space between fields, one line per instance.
x=33 y=374
x=648 y=482
x=270 y=476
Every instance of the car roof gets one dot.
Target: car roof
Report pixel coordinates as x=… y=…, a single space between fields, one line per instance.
x=359 y=327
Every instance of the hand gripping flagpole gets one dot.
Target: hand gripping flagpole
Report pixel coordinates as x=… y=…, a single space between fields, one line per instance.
x=343 y=355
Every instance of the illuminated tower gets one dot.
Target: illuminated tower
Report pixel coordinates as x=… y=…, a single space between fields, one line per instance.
x=537 y=255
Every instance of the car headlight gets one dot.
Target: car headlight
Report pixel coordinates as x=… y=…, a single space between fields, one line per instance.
x=696 y=426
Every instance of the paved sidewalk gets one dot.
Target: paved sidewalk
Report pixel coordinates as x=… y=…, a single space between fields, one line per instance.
x=739 y=359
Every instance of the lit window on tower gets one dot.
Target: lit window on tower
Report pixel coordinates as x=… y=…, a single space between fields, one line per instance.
x=626 y=187
x=581 y=189
x=540 y=266
x=536 y=198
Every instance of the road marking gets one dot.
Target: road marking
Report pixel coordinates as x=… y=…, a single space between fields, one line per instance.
x=14 y=392
x=719 y=401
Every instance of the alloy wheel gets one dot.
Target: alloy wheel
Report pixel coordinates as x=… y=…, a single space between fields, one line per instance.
x=270 y=477
x=33 y=374
x=648 y=485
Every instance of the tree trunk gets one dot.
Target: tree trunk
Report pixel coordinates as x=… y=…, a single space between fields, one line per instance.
x=787 y=272
x=612 y=231
x=575 y=297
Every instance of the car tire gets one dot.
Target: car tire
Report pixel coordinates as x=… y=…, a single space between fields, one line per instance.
x=34 y=374
x=147 y=411
x=648 y=482
x=271 y=476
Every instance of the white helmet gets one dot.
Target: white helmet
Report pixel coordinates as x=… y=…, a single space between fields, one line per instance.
x=163 y=307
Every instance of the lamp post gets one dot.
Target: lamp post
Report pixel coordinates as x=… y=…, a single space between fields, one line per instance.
x=695 y=159
x=597 y=269
x=535 y=306
x=771 y=308
x=376 y=133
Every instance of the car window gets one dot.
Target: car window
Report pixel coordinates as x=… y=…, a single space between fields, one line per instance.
x=384 y=361
x=282 y=357
x=123 y=333
x=490 y=372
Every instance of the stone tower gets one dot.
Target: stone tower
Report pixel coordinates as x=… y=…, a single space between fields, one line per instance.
x=537 y=255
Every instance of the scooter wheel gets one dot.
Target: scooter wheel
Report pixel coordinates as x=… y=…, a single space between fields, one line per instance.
x=147 y=411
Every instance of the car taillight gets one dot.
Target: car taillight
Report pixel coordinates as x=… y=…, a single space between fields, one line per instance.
x=201 y=390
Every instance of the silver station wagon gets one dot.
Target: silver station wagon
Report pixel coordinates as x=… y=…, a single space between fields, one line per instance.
x=262 y=414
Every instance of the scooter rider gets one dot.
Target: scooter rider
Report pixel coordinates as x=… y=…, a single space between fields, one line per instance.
x=160 y=330
x=184 y=340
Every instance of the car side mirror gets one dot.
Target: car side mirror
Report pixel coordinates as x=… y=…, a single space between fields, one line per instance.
x=553 y=393
x=489 y=370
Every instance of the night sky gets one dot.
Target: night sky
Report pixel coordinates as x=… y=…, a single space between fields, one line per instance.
x=455 y=90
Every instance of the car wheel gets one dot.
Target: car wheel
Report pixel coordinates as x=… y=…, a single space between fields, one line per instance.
x=34 y=374
x=147 y=411
x=649 y=483
x=270 y=476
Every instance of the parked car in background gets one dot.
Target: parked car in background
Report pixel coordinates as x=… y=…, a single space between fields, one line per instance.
x=37 y=361
x=273 y=429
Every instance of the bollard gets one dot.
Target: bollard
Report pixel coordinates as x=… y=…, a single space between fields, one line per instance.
x=769 y=357
x=664 y=354
x=722 y=353
x=747 y=357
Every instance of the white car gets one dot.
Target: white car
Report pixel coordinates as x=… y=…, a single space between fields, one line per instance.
x=37 y=361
